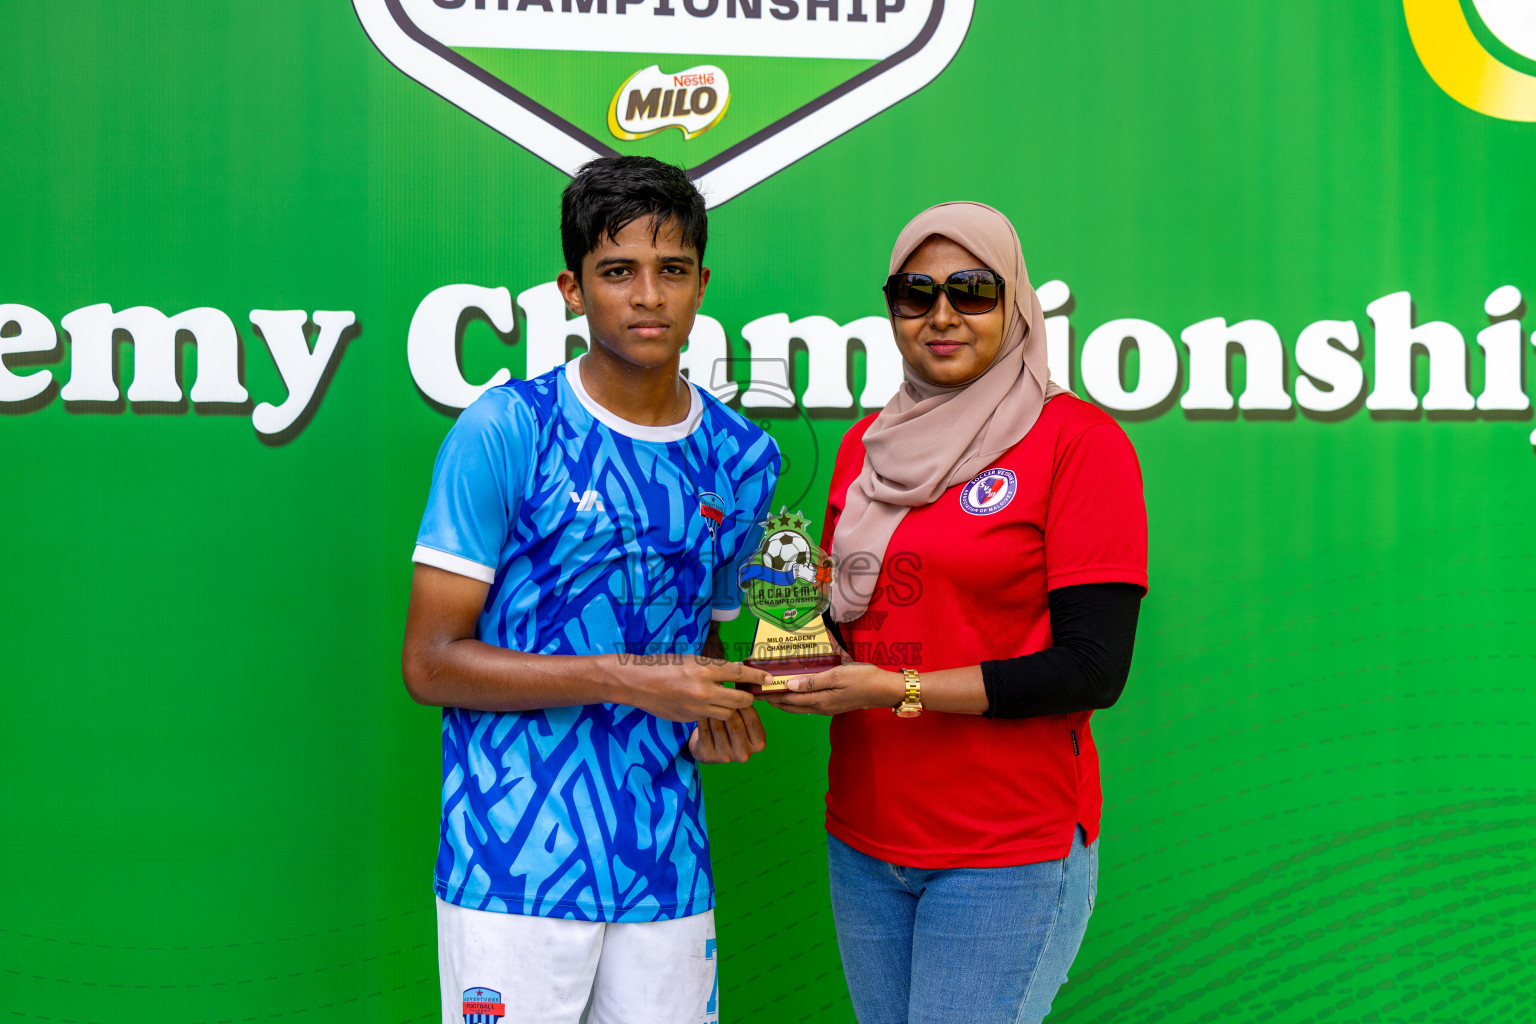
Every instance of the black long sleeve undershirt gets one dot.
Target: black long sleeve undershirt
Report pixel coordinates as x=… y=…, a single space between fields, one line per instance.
x=1093 y=630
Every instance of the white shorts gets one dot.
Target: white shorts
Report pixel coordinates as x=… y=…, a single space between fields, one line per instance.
x=516 y=969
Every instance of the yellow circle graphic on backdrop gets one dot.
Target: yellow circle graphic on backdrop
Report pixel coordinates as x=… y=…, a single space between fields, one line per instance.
x=1461 y=66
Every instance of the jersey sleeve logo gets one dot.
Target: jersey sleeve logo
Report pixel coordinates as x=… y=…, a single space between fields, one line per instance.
x=483 y=1006
x=989 y=491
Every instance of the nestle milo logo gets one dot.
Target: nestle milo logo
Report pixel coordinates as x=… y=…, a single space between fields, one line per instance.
x=649 y=101
x=834 y=64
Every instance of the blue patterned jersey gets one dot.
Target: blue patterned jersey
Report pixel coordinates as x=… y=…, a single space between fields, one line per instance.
x=596 y=535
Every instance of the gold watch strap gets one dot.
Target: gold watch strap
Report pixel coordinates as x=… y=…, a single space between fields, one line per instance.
x=912 y=701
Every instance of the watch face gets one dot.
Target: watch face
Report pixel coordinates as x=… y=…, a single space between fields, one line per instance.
x=906 y=712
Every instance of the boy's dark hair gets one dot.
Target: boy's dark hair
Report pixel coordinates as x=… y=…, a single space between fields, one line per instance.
x=608 y=194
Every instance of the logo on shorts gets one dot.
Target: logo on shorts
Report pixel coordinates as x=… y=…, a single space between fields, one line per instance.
x=989 y=491
x=483 y=1006
x=712 y=1008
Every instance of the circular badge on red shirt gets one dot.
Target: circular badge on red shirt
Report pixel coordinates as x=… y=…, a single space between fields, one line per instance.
x=989 y=491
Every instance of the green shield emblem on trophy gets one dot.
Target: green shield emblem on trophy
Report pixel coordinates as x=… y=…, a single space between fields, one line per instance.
x=788 y=584
x=788 y=579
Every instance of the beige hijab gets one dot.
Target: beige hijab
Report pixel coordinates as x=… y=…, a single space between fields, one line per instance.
x=929 y=437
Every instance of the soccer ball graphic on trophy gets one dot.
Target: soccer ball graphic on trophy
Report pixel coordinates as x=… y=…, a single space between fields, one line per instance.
x=786 y=581
x=784 y=549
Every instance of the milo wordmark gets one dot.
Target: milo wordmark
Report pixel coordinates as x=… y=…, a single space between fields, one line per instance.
x=693 y=101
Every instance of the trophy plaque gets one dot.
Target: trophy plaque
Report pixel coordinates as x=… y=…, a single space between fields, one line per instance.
x=788 y=584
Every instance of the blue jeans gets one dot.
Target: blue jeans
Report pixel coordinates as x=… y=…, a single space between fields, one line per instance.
x=941 y=946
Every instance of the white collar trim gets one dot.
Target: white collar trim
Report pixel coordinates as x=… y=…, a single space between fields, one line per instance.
x=640 y=432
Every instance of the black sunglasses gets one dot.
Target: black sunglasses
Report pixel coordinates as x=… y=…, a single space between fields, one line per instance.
x=970 y=292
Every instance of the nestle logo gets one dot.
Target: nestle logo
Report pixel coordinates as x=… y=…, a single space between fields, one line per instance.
x=649 y=101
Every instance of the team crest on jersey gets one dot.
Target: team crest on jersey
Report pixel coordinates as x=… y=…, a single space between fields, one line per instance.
x=989 y=491
x=712 y=509
x=483 y=1006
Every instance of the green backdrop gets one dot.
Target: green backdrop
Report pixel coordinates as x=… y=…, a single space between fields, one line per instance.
x=219 y=803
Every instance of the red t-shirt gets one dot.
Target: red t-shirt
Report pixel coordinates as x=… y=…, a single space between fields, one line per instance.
x=964 y=580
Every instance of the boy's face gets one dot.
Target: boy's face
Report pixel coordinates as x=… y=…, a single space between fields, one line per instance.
x=639 y=295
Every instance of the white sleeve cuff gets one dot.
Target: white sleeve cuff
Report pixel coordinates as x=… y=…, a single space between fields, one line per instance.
x=724 y=614
x=454 y=564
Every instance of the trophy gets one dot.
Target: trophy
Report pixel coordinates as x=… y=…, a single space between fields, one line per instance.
x=788 y=583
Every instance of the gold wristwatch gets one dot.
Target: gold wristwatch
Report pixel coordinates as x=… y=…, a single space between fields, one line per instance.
x=912 y=704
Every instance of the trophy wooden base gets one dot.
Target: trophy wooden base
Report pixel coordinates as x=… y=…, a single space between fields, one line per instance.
x=784 y=654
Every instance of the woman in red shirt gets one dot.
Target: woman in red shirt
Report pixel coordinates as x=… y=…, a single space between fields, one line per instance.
x=991 y=542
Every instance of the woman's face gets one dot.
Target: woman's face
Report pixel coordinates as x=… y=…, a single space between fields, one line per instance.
x=943 y=346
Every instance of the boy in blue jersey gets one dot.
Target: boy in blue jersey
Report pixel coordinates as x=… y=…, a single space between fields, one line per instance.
x=578 y=525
